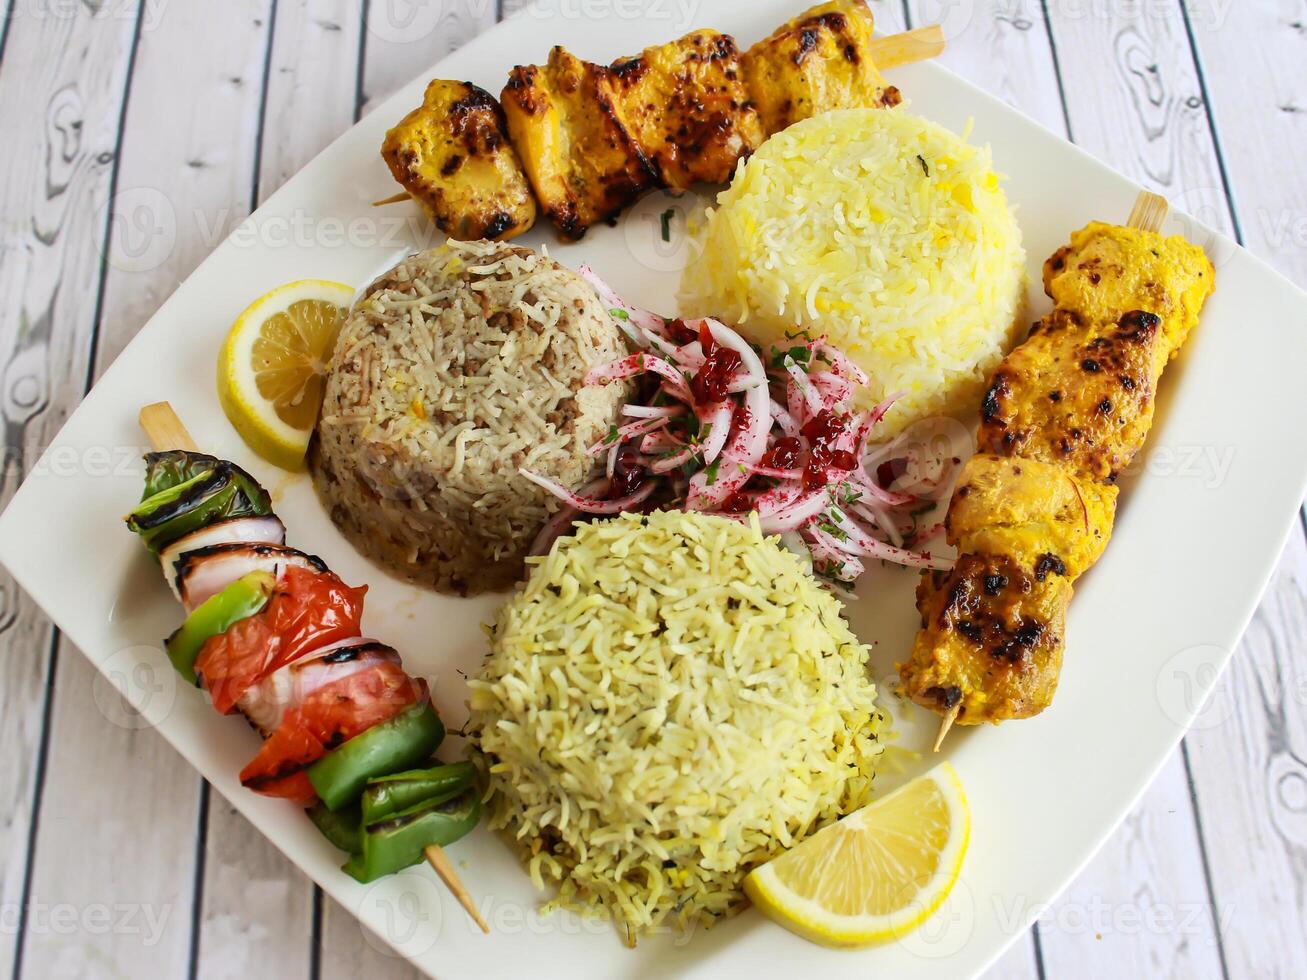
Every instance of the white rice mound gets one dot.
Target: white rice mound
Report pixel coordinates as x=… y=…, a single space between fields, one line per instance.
x=883 y=231
x=670 y=700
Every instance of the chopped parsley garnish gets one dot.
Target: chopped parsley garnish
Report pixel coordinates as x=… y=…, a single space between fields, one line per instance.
x=711 y=472
x=667 y=224
x=620 y=314
x=799 y=355
x=612 y=436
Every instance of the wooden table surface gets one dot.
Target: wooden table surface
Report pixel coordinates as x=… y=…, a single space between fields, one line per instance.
x=117 y=861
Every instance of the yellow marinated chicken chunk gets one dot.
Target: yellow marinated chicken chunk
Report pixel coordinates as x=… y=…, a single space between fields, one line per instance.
x=991 y=640
x=687 y=107
x=818 y=61
x=1077 y=393
x=453 y=157
x=993 y=627
x=582 y=163
x=1040 y=515
x=1108 y=271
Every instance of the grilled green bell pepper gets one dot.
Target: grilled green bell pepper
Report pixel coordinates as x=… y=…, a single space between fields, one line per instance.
x=186 y=507
x=389 y=795
x=342 y=827
x=404 y=741
x=213 y=617
x=167 y=469
x=399 y=840
x=188 y=491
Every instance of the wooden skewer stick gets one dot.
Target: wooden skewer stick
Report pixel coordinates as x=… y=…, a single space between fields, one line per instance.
x=165 y=431
x=438 y=859
x=945 y=724
x=1148 y=214
x=919 y=44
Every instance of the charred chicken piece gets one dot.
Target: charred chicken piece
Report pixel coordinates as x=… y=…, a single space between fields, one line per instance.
x=581 y=161
x=991 y=640
x=1077 y=393
x=993 y=627
x=453 y=156
x=820 y=60
x=687 y=107
x=1038 y=514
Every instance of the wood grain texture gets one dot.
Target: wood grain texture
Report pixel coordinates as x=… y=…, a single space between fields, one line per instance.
x=312 y=79
x=1003 y=47
x=1250 y=772
x=403 y=38
x=61 y=88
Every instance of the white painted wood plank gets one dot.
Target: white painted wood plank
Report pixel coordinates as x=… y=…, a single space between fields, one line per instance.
x=183 y=175
x=1134 y=99
x=1141 y=907
x=312 y=84
x=1248 y=762
x=1250 y=765
x=1002 y=46
x=61 y=88
x=1253 y=58
x=403 y=38
x=349 y=951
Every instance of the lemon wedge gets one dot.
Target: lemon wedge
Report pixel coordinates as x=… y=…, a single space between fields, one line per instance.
x=273 y=365
x=875 y=875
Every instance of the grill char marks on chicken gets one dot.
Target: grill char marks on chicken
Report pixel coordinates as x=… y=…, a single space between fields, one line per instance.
x=818 y=61
x=453 y=156
x=581 y=161
x=1064 y=414
x=687 y=108
x=1075 y=393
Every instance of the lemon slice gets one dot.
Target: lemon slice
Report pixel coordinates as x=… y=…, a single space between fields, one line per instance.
x=875 y=875
x=273 y=366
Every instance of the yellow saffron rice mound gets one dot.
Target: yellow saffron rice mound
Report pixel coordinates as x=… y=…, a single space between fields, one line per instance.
x=883 y=231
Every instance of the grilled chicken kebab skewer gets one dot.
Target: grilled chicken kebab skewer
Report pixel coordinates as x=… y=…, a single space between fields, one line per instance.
x=582 y=141
x=1065 y=413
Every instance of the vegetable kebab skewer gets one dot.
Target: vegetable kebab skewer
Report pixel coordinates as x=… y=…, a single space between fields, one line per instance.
x=273 y=635
x=1065 y=413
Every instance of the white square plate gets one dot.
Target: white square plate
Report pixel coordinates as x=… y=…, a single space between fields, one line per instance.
x=1200 y=526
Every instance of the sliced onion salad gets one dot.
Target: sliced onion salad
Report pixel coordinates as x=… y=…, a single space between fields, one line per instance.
x=714 y=428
